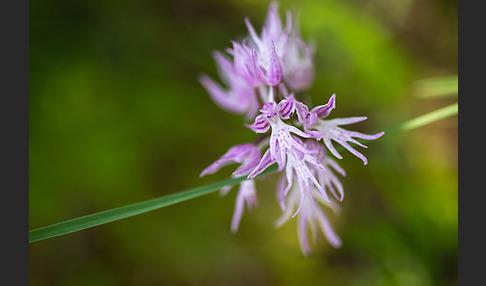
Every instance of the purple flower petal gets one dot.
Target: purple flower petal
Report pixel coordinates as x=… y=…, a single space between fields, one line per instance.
x=252 y=160
x=281 y=191
x=328 y=130
x=225 y=67
x=264 y=163
x=274 y=72
x=272 y=27
x=275 y=69
x=246 y=194
x=302 y=235
x=304 y=116
x=298 y=62
x=310 y=216
x=252 y=32
x=243 y=64
x=327 y=229
x=221 y=96
x=330 y=180
x=286 y=107
x=225 y=190
x=269 y=109
x=323 y=111
x=245 y=153
x=260 y=125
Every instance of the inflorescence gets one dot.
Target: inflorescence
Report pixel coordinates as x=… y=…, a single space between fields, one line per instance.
x=264 y=74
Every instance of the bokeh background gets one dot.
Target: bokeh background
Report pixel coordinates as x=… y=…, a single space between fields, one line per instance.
x=117 y=116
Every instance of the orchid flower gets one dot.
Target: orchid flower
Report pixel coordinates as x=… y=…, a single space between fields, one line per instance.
x=262 y=73
x=327 y=130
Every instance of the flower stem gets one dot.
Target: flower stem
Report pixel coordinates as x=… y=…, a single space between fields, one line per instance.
x=425 y=119
x=119 y=213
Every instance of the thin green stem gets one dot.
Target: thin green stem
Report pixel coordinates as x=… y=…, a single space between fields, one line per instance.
x=119 y=213
x=425 y=119
x=437 y=87
x=110 y=215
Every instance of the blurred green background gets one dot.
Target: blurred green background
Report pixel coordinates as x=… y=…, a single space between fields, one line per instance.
x=117 y=116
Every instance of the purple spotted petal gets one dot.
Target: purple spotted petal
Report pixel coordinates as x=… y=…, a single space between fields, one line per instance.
x=302 y=111
x=304 y=116
x=323 y=111
x=286 y=107
x=274 y=73
x=269 y=109
x=275 y=69
x=328 y=130
x=261 y=124
x=282 y=142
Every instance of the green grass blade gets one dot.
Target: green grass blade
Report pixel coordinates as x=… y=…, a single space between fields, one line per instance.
x=425 y=119
x=115 y=214
x=110 y=215
x=435 y=87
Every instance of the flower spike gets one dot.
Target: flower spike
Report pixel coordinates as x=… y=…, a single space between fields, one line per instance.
x=261 y=77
